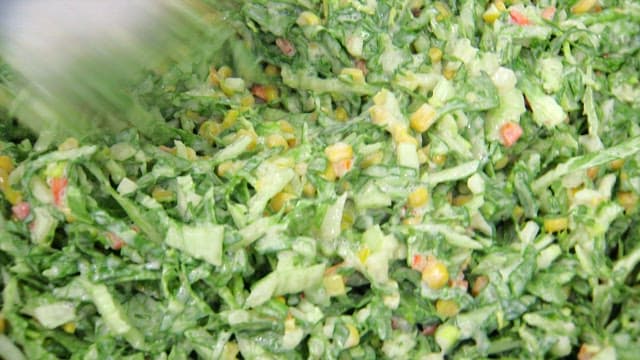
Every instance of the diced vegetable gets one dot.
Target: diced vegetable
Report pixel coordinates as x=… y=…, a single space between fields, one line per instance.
x=435 y=273
x=58 y=187
x=21 y=210
x=519 y=18
x=510 y=133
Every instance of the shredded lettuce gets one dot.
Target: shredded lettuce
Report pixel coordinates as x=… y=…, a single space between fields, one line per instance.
x=202 y=241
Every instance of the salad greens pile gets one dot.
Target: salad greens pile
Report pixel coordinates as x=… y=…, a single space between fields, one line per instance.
x=352 y=179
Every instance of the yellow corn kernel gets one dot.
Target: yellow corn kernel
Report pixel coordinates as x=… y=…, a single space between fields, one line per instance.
x=517 y=212
x=372 y=159
x=281 y=299
x=6 y=163
x=271 y=70
x=592 y=172
x=460 y=200
x=230 y=118
x=286 y=127
x=162 y=195
x=400 y=134
x=2 y=324
x=435 y=273
x=341 y=114
x=447 y=308
x=354 y=337
x=628 y=200
x=500 y=5
x=224 y=72
x=583 y=6
x=276 y=140
x=357 y=76
x=69 y=327
x=334 y=285
x=556 y=224
x=418 y=197
x=250 y=133
x=363 y=254
x=443 y=10
x=271 y=93
x=422 y=119
x=491 y=14
x=616 y=164
x=13 y=197
x=247 y=101
x=449 y=72
x=379 y=115
x=280 y=200
x=68 y=144
x=213 y=76
x=329 y=173
x=209 y=130
x=225 y=168
x=308 y=189
x=413 y=220
x=381 y=97
x=439 y=159
x=435 y=55
x=307 y=18
x=338 y=151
